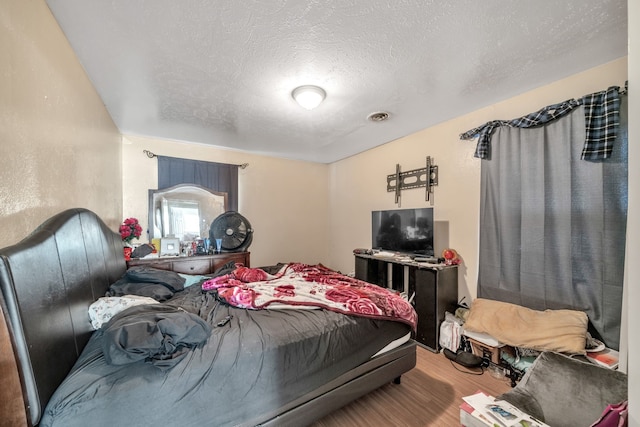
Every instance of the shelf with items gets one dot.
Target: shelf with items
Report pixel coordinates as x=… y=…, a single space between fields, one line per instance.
x=431 y=288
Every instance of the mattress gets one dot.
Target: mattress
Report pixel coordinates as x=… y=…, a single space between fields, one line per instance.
x=247 y=370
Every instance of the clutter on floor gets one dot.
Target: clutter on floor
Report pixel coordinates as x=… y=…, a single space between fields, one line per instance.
x=565 y=392
x=508 y=338
x=481 y=410
x=560 y=374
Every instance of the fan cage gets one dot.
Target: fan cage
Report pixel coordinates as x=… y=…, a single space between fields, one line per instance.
x=234 y=230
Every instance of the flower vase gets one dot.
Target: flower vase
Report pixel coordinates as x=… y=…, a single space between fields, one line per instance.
x=127 y=253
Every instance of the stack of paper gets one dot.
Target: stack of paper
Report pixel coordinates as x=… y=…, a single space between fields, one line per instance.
x=481 y=410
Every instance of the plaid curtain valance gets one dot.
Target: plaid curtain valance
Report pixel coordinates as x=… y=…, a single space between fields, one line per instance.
x=602 y=119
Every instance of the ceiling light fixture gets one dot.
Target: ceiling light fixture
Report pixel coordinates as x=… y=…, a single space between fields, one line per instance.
x=309 y=97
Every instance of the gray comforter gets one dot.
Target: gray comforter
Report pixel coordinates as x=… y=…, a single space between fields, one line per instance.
x=158 y=334
x=243 y=374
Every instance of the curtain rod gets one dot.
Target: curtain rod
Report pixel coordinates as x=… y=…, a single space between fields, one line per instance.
x=152 y=155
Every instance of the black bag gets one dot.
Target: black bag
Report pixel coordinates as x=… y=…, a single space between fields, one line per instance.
x=468 y=360
x=142 y=251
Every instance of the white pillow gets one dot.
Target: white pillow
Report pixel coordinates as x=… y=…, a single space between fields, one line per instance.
x=190 y=279
x=101 y=311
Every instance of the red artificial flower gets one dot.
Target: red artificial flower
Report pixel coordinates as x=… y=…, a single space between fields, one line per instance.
x=130 y=229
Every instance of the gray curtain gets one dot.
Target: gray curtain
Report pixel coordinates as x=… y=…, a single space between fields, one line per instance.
x=552 y=226
x=216 y=176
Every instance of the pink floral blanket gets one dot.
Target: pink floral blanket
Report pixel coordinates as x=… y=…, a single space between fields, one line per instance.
x=310 y=286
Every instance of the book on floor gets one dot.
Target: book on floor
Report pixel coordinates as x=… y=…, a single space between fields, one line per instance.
x=609 y=358
x=481 y=410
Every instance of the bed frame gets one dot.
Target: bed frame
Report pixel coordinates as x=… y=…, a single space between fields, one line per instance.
x=48 y=281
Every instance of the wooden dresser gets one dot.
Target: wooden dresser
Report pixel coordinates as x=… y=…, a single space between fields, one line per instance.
x=198 y=264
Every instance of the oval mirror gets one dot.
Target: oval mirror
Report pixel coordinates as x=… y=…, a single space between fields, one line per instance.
x=184 y=211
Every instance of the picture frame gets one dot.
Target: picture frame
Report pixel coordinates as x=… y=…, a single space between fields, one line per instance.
x=169 y=247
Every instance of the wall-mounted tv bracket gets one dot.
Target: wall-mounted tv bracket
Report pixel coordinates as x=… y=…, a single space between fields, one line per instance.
x=417 y=178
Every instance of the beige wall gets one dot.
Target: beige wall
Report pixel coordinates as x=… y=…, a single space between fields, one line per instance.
x=319 y=213
x=632 y=277
x=59 y=147
x=285 y=201
x=358 y=184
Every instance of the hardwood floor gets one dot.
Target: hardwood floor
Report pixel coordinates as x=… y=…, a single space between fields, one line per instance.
x=12 y=411
x=429 y=395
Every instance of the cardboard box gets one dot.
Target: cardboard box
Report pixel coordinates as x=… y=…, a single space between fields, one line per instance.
x=484 y=350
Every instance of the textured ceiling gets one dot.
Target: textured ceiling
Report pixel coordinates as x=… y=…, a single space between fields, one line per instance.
x=221 y=73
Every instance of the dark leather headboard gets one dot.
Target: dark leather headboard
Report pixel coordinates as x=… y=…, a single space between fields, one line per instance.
x=48 y=280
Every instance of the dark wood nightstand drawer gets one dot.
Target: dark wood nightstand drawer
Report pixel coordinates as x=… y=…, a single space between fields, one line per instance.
x=192 y=266
x=155 y=263
x=199 y=264
x=239 y=257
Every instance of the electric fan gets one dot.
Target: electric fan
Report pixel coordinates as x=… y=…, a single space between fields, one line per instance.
x=234 y=230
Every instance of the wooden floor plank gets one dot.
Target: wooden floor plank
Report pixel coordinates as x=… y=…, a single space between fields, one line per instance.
x=12 y=410
x=429 y=395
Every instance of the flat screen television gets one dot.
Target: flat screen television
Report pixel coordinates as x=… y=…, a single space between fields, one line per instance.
x=403 y=230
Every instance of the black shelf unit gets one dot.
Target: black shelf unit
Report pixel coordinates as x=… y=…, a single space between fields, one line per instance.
x=435 y=288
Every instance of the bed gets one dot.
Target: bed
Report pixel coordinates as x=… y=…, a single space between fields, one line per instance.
x=245 y=371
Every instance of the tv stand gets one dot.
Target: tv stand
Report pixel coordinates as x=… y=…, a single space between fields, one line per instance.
x=434 y=289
